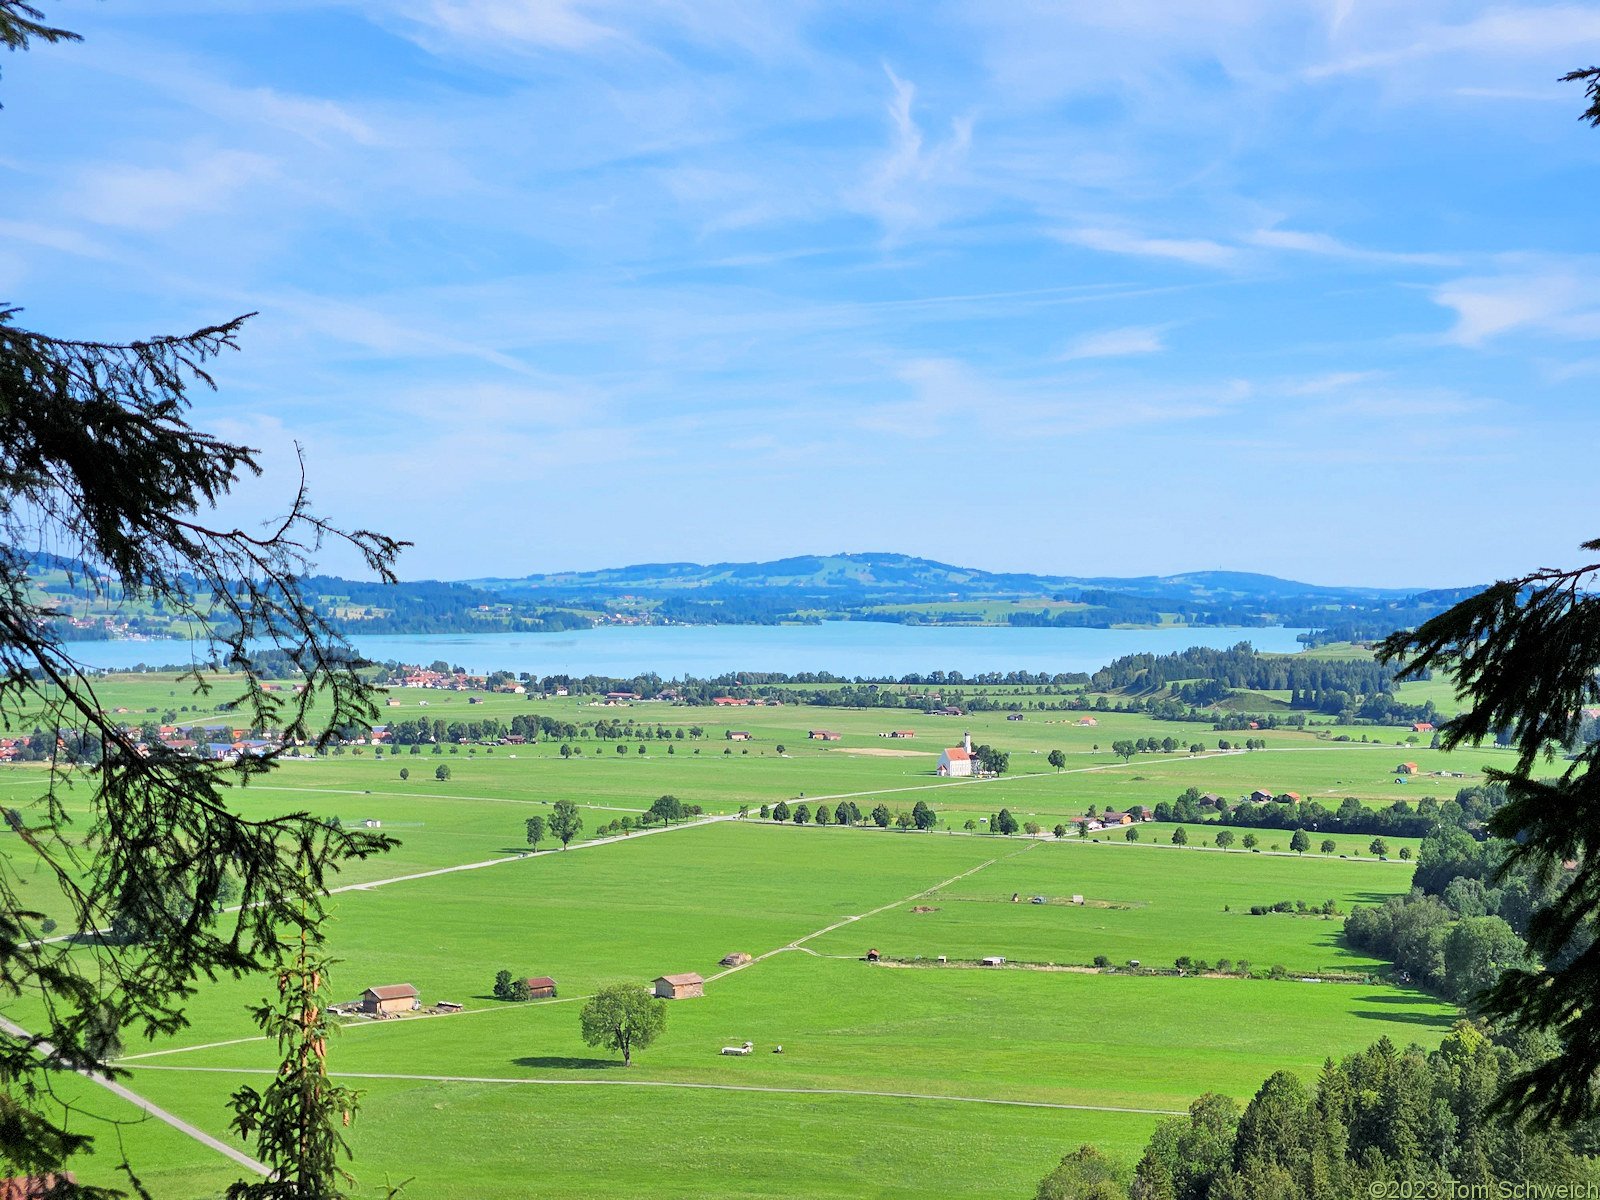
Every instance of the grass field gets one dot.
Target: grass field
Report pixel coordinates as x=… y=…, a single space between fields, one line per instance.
x=926 y=1079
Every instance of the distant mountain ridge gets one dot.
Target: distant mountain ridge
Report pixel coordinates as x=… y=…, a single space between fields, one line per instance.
x=887 y=578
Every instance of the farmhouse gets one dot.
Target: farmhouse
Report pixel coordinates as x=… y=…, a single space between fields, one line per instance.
x=1087 y=721
x=679 y=987
x=824 y=735
x=1109 y=818
x=1013 y=716
x=1260 y=795
x=738 y=735
x=541 y=987
x=392 y=998
x=1421 y=727
x=902 y=733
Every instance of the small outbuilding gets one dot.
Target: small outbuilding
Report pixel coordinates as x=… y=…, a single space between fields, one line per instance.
x=679 y=987
x=1406 y=769
x=737 y=959
x=391 y=998
x=993 y=960
x=541 y=987
x=873 y=955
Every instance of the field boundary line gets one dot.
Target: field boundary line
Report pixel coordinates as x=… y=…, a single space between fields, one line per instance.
x=708 y=1087
x=799 y=943
x=139 y=1102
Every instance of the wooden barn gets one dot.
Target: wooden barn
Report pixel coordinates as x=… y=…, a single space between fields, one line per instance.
x=679 y=987
x=541 y=987
x=392 y=998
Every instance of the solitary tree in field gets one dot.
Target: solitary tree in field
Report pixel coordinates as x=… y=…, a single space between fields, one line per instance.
x=1249 y=841
x=781 y=749
x=1180 y=836
x=1329 y=846
x=970 y=825
x=1300 y=842
x=1378 y=846
x=566 y=750
x=1057 y=760
x=1059 y=831
x=442 y=772
x=405 y=774
x=1132 y=835
x=1224 y=838
x=1124 y=749
x=536 y=831
x=565 y=823
x=625 y=1017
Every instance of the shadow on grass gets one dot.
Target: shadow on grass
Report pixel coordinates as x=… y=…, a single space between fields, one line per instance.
x=1432 y=1020
x=550 y=1062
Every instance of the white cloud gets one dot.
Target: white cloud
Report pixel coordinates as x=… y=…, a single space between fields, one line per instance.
x=1200 y=252
x=563 y=24
x=1113 y=343
x=149 y=198
x=901 y=189
x=1560 y=303
x=1332 y=247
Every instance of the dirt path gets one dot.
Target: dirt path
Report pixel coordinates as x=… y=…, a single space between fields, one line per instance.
x=45 y=1049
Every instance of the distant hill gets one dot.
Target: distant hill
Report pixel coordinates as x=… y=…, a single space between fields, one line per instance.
x=890 y=578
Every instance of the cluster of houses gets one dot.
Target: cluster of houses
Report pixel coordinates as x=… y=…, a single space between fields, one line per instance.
x=391 y=1000
x=824 y=735
x=1111 y=819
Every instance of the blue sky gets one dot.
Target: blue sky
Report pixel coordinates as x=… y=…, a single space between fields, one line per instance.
x=1090 y=288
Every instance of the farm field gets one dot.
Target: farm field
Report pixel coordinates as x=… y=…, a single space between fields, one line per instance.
x=678 y=901
x=967 y=1054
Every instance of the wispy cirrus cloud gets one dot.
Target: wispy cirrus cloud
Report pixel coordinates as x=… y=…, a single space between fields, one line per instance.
x=1199 y=252
x=1116 y=343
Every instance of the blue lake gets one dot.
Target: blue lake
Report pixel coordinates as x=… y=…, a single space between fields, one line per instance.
x=845 y=648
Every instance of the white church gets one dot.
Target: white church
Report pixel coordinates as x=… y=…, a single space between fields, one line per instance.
x=956 y=762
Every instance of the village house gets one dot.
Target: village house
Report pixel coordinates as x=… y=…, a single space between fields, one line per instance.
x=956 y=762
x=738 y=735
x=1109 y=818
x=679 y=987
x=389 y=999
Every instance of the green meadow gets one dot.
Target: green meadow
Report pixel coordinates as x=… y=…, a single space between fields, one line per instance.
x=932 y=1079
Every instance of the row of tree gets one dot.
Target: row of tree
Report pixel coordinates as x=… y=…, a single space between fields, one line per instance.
x=1384 y=1122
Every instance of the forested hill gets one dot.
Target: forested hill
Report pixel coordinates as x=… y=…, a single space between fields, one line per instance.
x=872 y=587
x=889 y=578
x=901 y=588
